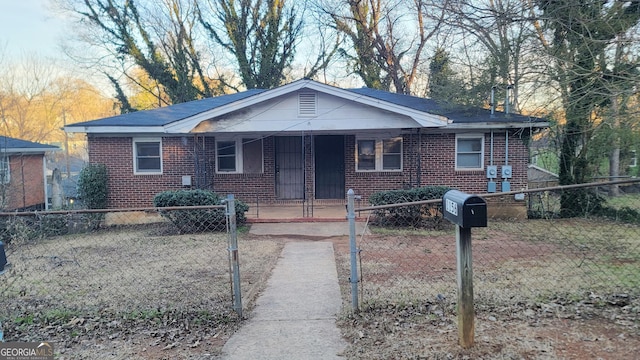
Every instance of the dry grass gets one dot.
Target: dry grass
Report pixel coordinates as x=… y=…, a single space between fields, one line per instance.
x=562 y=289
x=544 y=290
x=130 y=291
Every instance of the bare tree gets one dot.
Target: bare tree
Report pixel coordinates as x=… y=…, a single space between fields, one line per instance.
x=156 y=36
x=35 y=94
x=501 y=31
x=261 y=35
x=387 y=38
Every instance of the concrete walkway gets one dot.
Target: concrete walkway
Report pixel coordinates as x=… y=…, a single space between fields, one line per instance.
x=295 y=316
x=306 y=230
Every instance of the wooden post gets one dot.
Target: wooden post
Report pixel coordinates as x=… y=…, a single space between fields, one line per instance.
x=466 y=311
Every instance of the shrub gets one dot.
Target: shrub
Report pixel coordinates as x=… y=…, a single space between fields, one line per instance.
x=92 y=186
x=624 y=214
x=190 y=221
x=53 y=225
x=425 y=215
x=580 y=202
x=17 y=229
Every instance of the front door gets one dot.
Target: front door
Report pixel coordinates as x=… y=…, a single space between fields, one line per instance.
x=329 y=160
x=289 y=167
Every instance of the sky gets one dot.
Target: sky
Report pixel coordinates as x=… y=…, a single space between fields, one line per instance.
x=28 y=26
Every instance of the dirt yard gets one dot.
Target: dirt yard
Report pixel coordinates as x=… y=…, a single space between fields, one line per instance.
x=129 y=293
x=142 y=294
x=409 y=303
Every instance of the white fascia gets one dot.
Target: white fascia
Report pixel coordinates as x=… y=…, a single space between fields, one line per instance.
x=422 y=118
x=493 y=126
x=18 y=151
x=114 y=129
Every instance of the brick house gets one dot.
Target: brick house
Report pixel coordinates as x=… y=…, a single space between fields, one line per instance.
x=23 y=174
x=307 y=141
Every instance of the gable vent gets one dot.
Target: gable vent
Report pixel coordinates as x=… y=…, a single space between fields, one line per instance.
x=307 y=104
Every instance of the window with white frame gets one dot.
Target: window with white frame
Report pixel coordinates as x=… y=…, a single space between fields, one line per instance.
x=469 y=151
x=147 y=156
x=242 y=156
x=379 y=154
x=5 y=171
x=634 y=158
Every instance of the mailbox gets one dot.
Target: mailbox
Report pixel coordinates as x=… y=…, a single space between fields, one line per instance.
x=464 y=210
x=3 y=258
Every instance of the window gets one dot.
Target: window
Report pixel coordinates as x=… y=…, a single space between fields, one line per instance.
x=634 y=159
x=469 y=152
x=226 y=151
x=392 y=154
x=5 y=173
x=379 y=154
x=147 y=156
x=239 y=156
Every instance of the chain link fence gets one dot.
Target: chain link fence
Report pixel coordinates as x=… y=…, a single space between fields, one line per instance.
x=135 y=280
x=547 y=284
x=408 y=252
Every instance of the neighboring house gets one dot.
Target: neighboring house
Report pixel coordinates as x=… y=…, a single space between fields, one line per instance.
x=307 y=141
x=23 y=174
x=69 y=168
x=541 y=178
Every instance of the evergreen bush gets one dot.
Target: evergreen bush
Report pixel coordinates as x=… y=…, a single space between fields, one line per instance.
x=93 y=192
x=191 y=221
x=92 y=186
x=425 y=215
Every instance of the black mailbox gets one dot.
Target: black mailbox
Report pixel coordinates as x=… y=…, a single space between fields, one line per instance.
x=464 y=210
x=3 y=258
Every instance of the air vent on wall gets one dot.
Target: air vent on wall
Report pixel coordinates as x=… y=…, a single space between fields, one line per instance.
x=307 y=104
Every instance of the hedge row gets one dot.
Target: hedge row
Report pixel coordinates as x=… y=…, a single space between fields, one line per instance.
x=190 y=221
x=419 y=216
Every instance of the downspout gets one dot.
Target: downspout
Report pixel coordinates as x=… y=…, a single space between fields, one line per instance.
x=506 y=169
x=506 y=148
x=24 y=188
x=491 y=150
x=492 y=170
x=44 y=175
x=419 y=175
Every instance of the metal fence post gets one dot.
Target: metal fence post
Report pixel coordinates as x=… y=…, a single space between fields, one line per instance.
x=233 y=254
x=353 y=279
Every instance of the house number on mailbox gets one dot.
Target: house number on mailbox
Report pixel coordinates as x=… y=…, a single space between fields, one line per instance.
x=451 y=207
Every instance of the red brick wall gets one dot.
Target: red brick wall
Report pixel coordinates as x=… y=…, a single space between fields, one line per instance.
x=249 y=187
x=26 y=187
x=439 y=163
x=127 y=190
x=436 y=154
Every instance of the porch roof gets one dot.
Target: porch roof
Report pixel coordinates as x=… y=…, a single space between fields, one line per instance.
x=417 y=112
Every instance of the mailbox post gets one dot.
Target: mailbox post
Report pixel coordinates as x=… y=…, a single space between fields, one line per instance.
x=465 y=211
